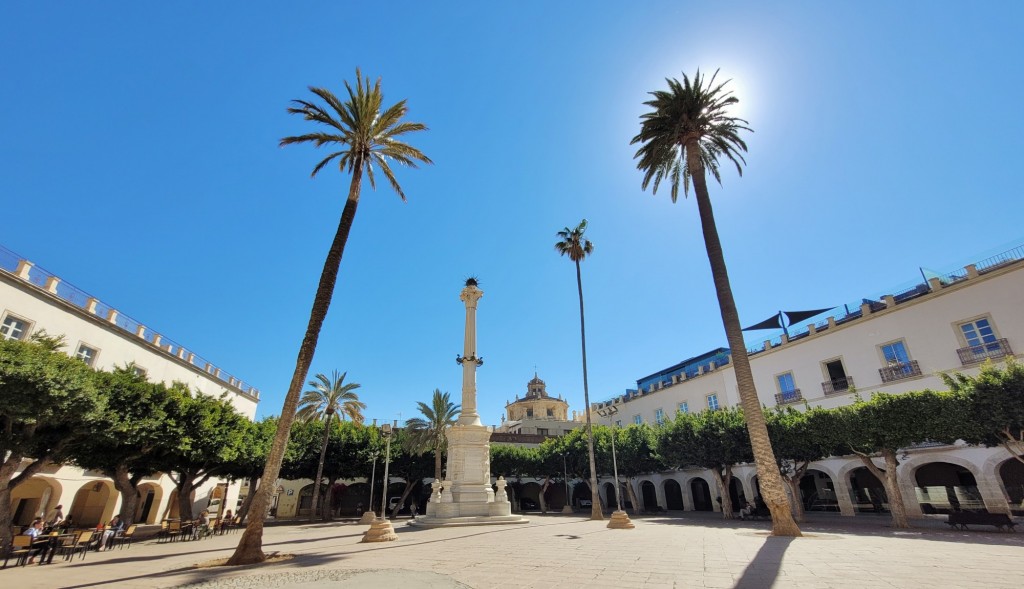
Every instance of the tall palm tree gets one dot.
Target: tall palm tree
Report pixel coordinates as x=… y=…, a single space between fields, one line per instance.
x=327 y=398
x=430 y=431
x=573 y=244
x=364 y=135
x=684 y=135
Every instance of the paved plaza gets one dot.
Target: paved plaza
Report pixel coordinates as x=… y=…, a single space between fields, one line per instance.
x=685 y=550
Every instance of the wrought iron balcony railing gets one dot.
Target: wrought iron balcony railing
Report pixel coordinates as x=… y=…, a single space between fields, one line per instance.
x=899 y=371
x=787 y=397
x=837 y=386
x=982 y=352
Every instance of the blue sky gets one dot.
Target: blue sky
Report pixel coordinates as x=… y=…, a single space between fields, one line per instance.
x=139 y=161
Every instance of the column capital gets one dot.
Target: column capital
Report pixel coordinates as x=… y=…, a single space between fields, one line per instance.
x=470 y=295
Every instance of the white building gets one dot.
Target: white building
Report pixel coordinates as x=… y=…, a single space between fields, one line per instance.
x=900 y=342
x=32 y=299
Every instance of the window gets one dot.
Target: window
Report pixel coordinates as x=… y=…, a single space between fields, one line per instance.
x=637 y=419
x=139 y=371
x=86 y=354
x=13 y=328
x=684 y=407
x=837 y=379
x=895 y=353
x=982 y=341
x=551 y=412
x=898 y=364
x=541 y=431
x=618 y=423
x=785 y=382
x=529 y=412
x=659 y=416
x=713 y=401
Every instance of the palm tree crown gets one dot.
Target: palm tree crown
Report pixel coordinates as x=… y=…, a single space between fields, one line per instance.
x=429 y=432
x=331 y=397
x=688 y=116
x=366 y=136
x=573 y=244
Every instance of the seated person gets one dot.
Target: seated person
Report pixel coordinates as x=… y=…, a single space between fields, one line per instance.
x=747 y=510
x=40 y=543
x=115 y=527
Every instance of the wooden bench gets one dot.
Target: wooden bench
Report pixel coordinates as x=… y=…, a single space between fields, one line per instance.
x=961 y=519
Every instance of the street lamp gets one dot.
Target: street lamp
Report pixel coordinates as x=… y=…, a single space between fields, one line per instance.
x=369 y=515
x=381 y=529
x=567 y=508
x=619 y=519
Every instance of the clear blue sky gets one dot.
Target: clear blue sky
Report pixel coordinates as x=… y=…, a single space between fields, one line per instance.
x=139 y=161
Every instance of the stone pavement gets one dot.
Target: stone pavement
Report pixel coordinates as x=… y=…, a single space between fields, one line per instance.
x=682 y=550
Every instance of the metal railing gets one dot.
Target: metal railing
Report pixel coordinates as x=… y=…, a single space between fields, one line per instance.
x=837 y=386
x=899 y=371
x=982 y=352
x=787 y=397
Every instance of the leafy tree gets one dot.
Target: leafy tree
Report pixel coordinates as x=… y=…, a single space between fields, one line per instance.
x=682 y=138
x=637 y=449
x=799 y=438
x=126 y=440
x=573 y=244
x=411 y=466
x=513 y=463
x=48 y=402
x=366 y=137
x=715 y=440
x=428 y=433
x=251 y=458
x=996 y=397
x=887 y=423
x=327 y=398
x=208 y=432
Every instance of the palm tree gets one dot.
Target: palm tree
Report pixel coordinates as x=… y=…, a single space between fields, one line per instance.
x=684 y=135
x=327 y=398
x=430 y=431
x=364 y=136
x=577 y=247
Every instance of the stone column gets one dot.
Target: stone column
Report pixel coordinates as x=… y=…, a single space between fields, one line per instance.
x=470 y=295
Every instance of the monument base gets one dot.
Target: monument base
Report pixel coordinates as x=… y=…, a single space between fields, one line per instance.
x=620 y=521
x=380 y=531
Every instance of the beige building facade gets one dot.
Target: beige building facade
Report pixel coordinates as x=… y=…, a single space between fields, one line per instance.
x=33 y=299
x=895 y=343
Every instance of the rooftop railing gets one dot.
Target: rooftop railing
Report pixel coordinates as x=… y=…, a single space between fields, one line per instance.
x=41 y=278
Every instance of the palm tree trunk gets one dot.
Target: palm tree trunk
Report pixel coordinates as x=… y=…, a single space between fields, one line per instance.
x=250 y=547
x=320 y=469
x=437 y=461
x=595 y=498
x=773 y=492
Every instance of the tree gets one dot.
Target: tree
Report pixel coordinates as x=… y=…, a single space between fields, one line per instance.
x=48 y=401
x=513 y=463
x=251 y=458
x=684 y=135
x=799 y=438
x=637 y=450
x=127 y=439
x=430 y=432
x=715 y=440
x=327 y=398
x=996 y=397
x=409 y=465
x=888 y=423
x=366 y=136
x=208 y=431
x=577 y=247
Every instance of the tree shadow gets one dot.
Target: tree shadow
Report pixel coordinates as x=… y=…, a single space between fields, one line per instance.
x=764 y=569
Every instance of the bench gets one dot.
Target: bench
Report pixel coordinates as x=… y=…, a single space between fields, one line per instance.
x=961 y=519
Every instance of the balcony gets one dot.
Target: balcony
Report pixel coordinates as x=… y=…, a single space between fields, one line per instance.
x=974 y=354
x=787 y=397
x=837 y=386
x=899 y=371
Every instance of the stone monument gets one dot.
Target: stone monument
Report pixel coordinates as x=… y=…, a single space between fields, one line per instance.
x=466 y=497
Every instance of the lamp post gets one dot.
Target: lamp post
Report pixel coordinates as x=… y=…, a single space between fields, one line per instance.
x=619 y=519
x=567 y=508
x=369 y=514
x=381 y=529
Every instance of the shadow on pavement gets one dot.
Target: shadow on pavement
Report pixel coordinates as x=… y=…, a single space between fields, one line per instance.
x=764 y=569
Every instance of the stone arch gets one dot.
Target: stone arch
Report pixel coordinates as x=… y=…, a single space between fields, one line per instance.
x=941 y=489
x=94 y=503
x=700 y=490
x=1011 y=476
x=818 y=491
x=305 y=502
x=36 y=497
x=737 y=494
x=673 y=494
x=529 y=492
x=148 y=509
x=648 y=495
x=580 y=491
x=866 y=492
